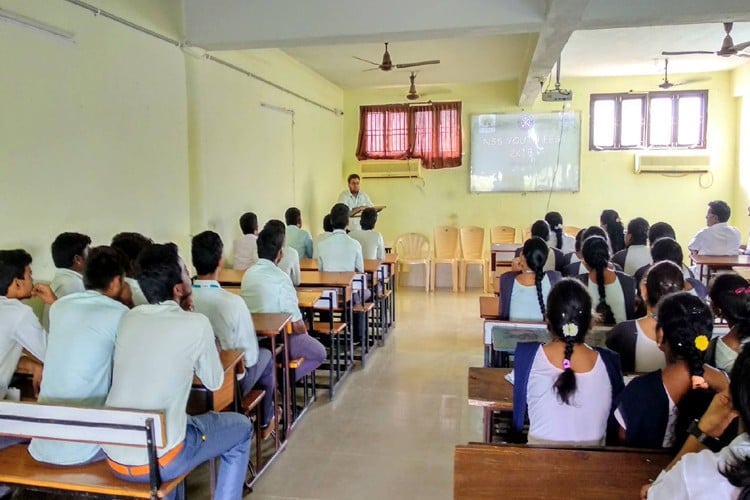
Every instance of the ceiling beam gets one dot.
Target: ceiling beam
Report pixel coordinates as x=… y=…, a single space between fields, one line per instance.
x=562 y=19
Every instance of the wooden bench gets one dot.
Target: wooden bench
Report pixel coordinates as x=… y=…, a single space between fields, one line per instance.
x=145 y=429
x=484 y=471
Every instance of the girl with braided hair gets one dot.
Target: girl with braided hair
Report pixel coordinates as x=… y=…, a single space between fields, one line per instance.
x=655 y=409
x=636 y=254
x=558 y=239
x=730 y=299
x=613 y=292
x=610 y=222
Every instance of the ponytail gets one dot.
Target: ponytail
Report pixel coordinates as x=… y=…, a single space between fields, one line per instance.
x=596 y=255
x=615 y=229
x=535 y=252
x=555 y=221
x=538 y=277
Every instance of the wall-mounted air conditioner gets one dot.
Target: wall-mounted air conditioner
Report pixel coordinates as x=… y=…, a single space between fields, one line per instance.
x=390 y=169
x=672 y=163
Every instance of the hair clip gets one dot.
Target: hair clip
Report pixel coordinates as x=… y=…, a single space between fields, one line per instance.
x=566 y=364
x=701 y=343
x=570 y=330
x=742 y=291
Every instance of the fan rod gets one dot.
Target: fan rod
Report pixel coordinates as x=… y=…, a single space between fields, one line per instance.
x=557 y=72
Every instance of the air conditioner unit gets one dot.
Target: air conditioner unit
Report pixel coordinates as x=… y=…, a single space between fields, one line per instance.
x=672 y=163
x=390 y=169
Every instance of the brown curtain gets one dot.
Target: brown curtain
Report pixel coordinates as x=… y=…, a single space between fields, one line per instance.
x=435 y=134
x=383 y=132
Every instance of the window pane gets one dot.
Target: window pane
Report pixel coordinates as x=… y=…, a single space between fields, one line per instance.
x=604 y=123
x=449 y=137
x=375 y=133
x=631 y=122
x=660 y=121
x=690 y=120
x=397 y=136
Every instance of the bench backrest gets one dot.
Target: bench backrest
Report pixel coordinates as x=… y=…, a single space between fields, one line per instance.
x=484 y=471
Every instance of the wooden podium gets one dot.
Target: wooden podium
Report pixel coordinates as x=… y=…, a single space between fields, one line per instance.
x=357 y=211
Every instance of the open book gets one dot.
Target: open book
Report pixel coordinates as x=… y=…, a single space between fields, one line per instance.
x=357 y=211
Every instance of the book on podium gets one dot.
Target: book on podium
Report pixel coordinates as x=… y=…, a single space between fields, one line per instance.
x=357 y=211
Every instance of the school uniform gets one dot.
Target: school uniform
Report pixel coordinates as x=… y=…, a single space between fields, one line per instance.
x=719 y=355
x=520 y=302
x=568 y=243
x=698 y=287
x=638 y=352
x=158 y=350
x=373 y=246
x=300 y=240
x=245 y=252
x=633 y=258
x=135 y=290
x=64 y=282
x=573 y=269
x=719 y=239
x=340 y=253
x=19 y=329
x=554 y=262
x=316 y=243
x=78 y=366
x=289 y=263
x=620 y=295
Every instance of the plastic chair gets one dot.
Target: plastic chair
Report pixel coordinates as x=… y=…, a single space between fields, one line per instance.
x=472 y=250
x=446 y=252
x=571 y=230
x=413 y=249
x=526 y=234
x=502 y=234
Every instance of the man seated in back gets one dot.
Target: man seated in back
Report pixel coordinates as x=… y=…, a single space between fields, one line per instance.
x=289 y=262
x=327 y=231
x=296 y=237
x=69 y=251
x=245 y=247
x=231 y=322
x=158 y=350
x=267 y=289
x=131 y=245
x=339 y=252
x=718 y=237
x=371 y=241
x=81 y=344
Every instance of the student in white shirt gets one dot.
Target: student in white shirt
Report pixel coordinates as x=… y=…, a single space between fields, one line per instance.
x=267 y=289
x=245 y=247
x=80 y=348
x=613 y=292
x=718 y=237
x=296 y=237
x=339 y=252
x=131 y=245
x=327 y=231
x=159 y=349
x=558 y=239
x=636 y=253
x=69 y=251
x=231 y=322
x=371 y=241
x=289 y=262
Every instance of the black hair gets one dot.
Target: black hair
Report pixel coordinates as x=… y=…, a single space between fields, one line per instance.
x=276 y=225
x=660 y=230
x=130 y=245
x=666 y=249
x=535 y=252
x=594 y=231
x=206 y=250
x=369 y=218
x=339 y=216
x=555 y=221
x=327 y=225
x=579 y=239
x=638 y=231
x=270 y=242
x=352 y=176
x=737 y=470
x=158 y=270
x=720 y=209
x=12 y=266
x=596 y=255
x=249 y=223
x=568 y=307
x=615 y=229
x=663 y=278
x=103 y=264
x=729 y=293
x=67 y=246
x=682 y=317
x=292 y=216
x=540 y=228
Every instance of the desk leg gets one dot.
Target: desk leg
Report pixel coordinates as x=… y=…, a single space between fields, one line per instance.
x=275 y=392
x=288 y=387
x=487 y=422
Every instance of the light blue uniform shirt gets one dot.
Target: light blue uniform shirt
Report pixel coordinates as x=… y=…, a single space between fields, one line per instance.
x=78 y=365
x=524 y=301
x=267 y=289
x=340 y=253
x=300 y=240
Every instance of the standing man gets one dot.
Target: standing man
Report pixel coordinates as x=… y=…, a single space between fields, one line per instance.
x=354 y=198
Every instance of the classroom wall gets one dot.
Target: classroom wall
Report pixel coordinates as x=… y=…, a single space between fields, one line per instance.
x=741 y=93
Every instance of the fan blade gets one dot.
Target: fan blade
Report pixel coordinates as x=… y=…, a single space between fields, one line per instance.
x=372 y=69
x=665 y=53
x=743 y=55
x=694 y=80
x=740 y=46
x=366 y=60
x=411 y=65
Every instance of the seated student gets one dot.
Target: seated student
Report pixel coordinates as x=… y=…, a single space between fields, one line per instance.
x=524 y=293
x=69 y=251
x=558 y=239
x=660 y=230
x=245 y=247
x=289 y=262
x=296 y=237
x=555 y=258
x=668 y=249
x=571 y=265
x=654 y=409
x=267 y=289
x=327 y=231
x=80 y=348
x=609 y=220
x=613 y=292
x=158 y=350
x=131 y=245
x=339 y=252
x=371 y=241
x=730 y=300
x=718 y=237
x=568 y=386
x=635 y=340
x=636 y=254
x=231 y=322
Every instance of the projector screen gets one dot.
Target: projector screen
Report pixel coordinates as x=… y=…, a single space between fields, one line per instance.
x=521 y=152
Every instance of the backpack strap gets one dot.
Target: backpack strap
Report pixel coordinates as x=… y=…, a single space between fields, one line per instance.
x=522 y=361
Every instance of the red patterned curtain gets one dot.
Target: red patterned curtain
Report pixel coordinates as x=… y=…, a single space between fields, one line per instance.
x=436 y=134
x=383 y=132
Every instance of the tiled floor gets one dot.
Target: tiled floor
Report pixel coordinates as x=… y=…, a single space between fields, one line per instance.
x=390 y=432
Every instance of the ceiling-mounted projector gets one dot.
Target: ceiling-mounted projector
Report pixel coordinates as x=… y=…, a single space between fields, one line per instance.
x=556 y=95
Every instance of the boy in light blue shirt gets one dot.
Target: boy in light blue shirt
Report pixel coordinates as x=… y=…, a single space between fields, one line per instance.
x=296 y=237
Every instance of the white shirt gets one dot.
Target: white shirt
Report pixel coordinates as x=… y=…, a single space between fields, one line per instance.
x=289 y=263
x=19 y=329
x=719 y=239
x=267 y=289
x=300 y=240
x=245 y=251
x=373 y=246
x=229 y=316
x=135 y=289
x=65 y=281
x=613 y=296
x=725 y=356
x=648 y=356
x=158 y=350
x=568 y=244
x=340 y=253
x=584 y=421
x=696 y=475
x=78 y=365
x=353 y=201
x=636 y=257
x=316 y=243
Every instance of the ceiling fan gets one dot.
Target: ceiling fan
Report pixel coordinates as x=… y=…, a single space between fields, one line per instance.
x=412 y=95
x=728 y=47
x=666 y=84
x=387 y=65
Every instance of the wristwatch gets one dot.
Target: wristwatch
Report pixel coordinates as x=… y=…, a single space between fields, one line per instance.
x=709 y=442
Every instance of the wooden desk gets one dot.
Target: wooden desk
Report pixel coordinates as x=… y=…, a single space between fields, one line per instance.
x=221 y=398
x=307 y=297
x=230 y=277
x=502 y=254
x=271 y=325
x=489 y=307
x=489 y=390
x=308 y=264
x=709 y=263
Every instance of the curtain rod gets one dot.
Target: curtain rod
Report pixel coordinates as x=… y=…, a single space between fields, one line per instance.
x=99 y=12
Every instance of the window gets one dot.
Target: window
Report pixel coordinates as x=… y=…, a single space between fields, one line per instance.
x=658 y=120
x=431 y=133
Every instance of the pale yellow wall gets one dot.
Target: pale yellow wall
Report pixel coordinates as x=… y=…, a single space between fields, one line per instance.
x=607 y=178
x=741 y=91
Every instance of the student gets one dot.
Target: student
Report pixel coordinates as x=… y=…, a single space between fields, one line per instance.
x=69 y=251
x=635 y=340
x=668 y=249
x=81 y=344
x=718 y=237
x=131 y=245
x=654 y=409
x=371 y=241
x=158 y=350
x=610 y=222
x=660 y=230
x=558 y=239
x=339 y=252
x=636 y=254
x=613 y=292
x=730 y=300
x=267 y=289
x=523 y=294
x=296 y=237
x=568 y=386
x=245 y=247
x=289 y=262
x=555 y=258
x=327 y=231
x=231 y=322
